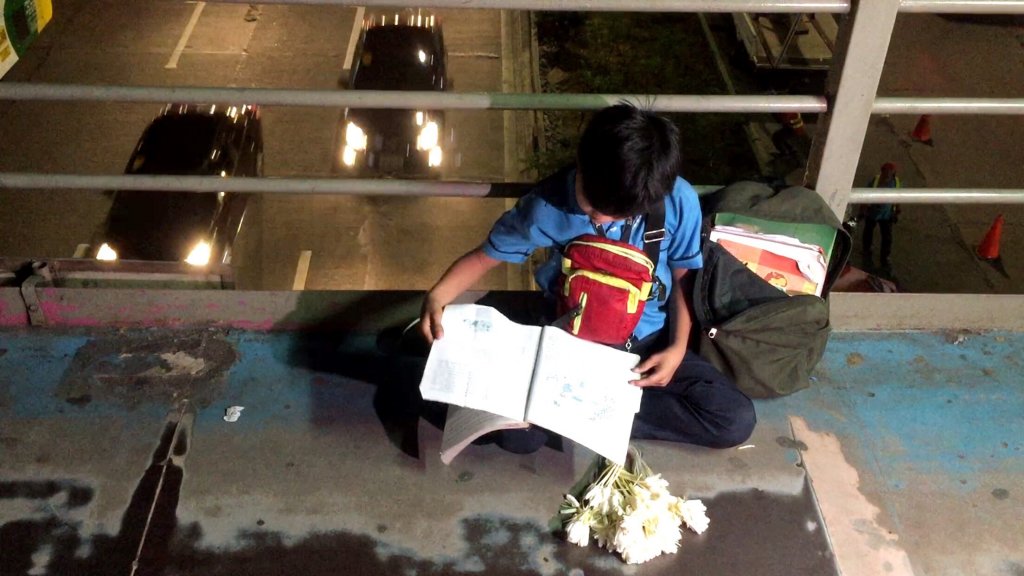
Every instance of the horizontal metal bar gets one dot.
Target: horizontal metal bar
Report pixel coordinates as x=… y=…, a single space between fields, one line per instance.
x=963 y=6
x=389 y=187
x=922 y=105
x=409 y=99
x=835 y=6
x=206 y=184
x=937 y=196
x=353 y=186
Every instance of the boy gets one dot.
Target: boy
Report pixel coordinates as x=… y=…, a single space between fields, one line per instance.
x=627 y=160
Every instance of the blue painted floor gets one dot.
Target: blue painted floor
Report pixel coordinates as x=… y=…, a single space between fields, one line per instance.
x=904 y=456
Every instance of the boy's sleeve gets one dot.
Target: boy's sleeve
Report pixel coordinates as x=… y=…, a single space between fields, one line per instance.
x=517 y=233
x=684 y=241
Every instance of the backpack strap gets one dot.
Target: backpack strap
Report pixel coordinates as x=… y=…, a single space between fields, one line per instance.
x=654 y=233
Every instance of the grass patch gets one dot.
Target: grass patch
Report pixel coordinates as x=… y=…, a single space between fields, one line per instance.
x=639 y=53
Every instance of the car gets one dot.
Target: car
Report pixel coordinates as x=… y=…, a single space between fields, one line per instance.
x=403 y=51
x=193 y=227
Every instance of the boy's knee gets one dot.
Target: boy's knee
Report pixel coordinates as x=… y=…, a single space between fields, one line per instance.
x=738 y=427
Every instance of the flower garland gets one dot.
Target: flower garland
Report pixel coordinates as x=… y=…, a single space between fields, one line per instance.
x=630 y=511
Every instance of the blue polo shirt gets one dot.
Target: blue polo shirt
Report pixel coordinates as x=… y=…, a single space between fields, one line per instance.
x=550 y=217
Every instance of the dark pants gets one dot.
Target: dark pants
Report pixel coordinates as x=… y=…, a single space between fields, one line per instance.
x=885 y=230
x=700 y=405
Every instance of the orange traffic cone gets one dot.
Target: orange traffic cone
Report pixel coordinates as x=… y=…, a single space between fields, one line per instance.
x=923 y=130
x=989 y=247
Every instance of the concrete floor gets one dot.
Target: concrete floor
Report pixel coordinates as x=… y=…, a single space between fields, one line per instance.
x=904 y=457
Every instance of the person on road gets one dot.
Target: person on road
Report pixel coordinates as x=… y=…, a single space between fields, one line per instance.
x=627 y=160
x=881 y=215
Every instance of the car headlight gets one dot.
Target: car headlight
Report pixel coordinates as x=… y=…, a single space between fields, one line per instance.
x=355 y=138
x=428 y=136
x=200 y=254
x=434 y=157
x=348 y=156
x=106 y=253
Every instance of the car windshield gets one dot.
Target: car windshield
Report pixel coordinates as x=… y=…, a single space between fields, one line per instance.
x=177 y=144
x=397 y=58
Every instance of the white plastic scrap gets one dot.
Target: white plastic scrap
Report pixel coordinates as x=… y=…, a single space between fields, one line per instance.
x=232 y=413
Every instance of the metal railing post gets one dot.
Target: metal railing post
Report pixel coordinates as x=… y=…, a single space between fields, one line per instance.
x=852 y=84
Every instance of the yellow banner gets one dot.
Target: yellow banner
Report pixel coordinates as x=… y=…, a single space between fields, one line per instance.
x=21 y=23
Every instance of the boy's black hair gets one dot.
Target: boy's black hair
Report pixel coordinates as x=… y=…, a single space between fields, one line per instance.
x=628 y=158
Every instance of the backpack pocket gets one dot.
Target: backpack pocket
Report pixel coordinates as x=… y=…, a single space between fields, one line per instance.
x=770 y=349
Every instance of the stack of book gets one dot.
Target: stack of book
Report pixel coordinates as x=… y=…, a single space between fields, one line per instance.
x=791 y=256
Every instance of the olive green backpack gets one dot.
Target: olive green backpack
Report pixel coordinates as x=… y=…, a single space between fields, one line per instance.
x=768 y=342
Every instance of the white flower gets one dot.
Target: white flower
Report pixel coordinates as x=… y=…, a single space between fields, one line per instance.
x=630 y=511
x=694 y=514
x=578 y=532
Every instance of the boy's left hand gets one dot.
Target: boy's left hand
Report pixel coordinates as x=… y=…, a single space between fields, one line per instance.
x=658 y=369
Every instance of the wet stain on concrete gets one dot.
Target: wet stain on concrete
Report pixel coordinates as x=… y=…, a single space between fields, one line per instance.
x=70 y=495
x=854 y=359
x=82 y=400
x=787 y=442
x=495 y=545
x=1000 y=494
x=738 y=463
x=149 y=366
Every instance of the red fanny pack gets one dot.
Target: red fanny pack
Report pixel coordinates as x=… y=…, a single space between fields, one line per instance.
x=605 y=285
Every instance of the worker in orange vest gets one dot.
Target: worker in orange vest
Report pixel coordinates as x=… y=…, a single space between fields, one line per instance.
x=882 y=215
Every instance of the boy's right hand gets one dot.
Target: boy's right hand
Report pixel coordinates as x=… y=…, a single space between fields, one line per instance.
x=430 y=320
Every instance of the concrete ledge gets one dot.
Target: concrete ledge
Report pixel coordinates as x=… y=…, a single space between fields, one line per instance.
x=896 y=312
x=370 y=311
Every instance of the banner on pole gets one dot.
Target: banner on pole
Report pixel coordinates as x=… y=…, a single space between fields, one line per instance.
x=22 y=22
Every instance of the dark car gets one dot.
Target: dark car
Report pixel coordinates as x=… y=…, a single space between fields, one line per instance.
x=197 y=228
x=399 y=52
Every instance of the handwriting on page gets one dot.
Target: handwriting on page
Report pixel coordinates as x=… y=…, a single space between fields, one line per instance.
x=586 y=401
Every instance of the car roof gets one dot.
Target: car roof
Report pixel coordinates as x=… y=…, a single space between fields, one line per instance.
x=400 y=57
x=187 y=138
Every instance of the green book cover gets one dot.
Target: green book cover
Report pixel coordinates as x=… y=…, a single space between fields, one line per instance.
x=809 y=233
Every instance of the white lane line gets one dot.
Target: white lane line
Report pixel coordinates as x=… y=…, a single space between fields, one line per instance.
x=183 y=41
x=302 y=270
x=357 y=26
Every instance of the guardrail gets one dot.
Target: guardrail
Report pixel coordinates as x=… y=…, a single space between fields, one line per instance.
x=845 y=108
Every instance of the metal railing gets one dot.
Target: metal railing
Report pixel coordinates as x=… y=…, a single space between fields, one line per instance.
x=845 y=109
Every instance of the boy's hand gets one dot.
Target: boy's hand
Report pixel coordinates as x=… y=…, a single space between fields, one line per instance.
x=658 y=369
x=430 y=320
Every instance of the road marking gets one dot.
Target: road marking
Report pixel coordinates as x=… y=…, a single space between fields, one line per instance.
x=489 y=55
x=183 y=41
x=357 y=25
x=302 y=270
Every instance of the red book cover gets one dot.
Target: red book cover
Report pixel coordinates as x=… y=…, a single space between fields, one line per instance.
x=777 y=270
